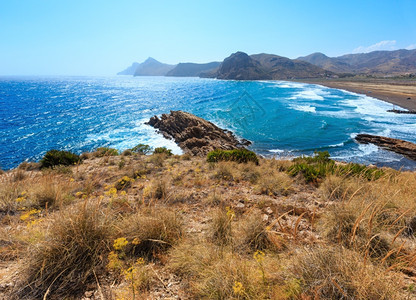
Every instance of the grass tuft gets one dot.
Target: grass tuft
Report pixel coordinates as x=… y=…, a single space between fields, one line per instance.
x=70 y=255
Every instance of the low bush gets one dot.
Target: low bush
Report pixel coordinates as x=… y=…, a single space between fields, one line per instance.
x=162 y=150
x=315 y=168
x=54 y=158
x=127 y=152
x=105 y=151
x=141 y=149
x=312 y=168
x=30 y=166
x=238 y=155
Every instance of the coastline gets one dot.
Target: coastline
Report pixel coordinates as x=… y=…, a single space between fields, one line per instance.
x=394 y=92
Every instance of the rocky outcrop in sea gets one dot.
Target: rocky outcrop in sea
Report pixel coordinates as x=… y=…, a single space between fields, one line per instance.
x=402 y=147
x=195 y=135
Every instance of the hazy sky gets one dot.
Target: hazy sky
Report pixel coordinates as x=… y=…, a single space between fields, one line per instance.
x=89 y=37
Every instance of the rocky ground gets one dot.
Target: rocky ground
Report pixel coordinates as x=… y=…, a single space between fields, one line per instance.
x=178 y=227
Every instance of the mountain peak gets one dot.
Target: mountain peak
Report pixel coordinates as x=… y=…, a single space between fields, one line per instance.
x=151 y=60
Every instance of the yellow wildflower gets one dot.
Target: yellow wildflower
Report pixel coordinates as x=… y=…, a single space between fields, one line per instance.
x=140 y=261
x=20 y=199
x=120 y=243
x=111 y=192
x=114 y=263
x=230 y=213
x=259 y=256
x=238 y=288
x=28 y=214
x=136 y=241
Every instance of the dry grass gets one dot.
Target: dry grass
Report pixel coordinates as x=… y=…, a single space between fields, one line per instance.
x=52 y=192
x=339 y=188
x=65 y=261
x=224 y=171
x=220 y=231
x=156 y=190
x=214 y=274
x=338 y=273
x=275 y=184
x=254 y=234
x=150 y=232
x=9 y=192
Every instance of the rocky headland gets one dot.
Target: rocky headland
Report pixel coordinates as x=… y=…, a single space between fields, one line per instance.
x=402 y=147
x=195 y=135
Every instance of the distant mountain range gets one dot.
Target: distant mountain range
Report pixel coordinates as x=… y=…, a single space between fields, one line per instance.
x=130 y=70
x=152 y=67
x=241 y=66
x=379 y=63
x=192 y=69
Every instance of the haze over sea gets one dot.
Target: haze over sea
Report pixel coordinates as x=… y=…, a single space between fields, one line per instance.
x=280 y=118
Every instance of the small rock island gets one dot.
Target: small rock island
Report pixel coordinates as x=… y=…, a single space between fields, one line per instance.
x=195 y=135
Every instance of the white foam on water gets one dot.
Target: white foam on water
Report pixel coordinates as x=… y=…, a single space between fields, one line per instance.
x=369 y=119
x=276 y=151
x=309 y=93
x=367 y=149
x=125 y=138
x=288 y=84
x=337 y=145
x=148 y=135
x=304 y=108
x=368 y=106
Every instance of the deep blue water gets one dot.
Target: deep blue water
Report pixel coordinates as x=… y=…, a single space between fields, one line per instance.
x=280 y=118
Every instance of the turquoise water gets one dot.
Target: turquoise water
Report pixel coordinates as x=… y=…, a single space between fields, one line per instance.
x=280 y=118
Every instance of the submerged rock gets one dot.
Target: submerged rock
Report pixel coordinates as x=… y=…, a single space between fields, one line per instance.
x=402 y=147
x=195 y=135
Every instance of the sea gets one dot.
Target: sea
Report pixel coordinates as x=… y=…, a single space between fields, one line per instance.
x=282 y=119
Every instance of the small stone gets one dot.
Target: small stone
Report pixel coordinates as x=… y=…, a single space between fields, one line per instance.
x=265 y=218
x=240 y=205
x=269 y=210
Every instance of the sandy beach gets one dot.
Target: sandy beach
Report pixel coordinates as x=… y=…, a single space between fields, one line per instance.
x=396 y=92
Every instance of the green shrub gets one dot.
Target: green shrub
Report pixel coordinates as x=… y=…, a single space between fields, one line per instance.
x=354 y=169
x=105 y=151
x=57 y=157
x=162 y=150
x=238 y=155
x=317 y=167
x=141 y=149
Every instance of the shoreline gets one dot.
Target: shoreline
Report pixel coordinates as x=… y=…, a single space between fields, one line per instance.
x=395 y=93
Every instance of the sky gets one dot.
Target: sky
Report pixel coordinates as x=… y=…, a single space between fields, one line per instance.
x=89 y=37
